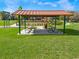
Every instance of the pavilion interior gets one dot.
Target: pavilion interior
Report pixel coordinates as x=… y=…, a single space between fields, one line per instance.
x=41 y=23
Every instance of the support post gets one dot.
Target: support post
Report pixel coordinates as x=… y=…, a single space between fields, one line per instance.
x=55 y=22
x=64 y=24
x=4 y=23
x=19 y=24
x=9 y=22
x=24 y=23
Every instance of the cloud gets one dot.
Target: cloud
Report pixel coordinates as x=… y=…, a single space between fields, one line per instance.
x=45 y=3
x=65 y=4
x=11 y=5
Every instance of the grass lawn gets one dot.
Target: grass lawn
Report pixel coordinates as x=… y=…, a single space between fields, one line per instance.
x=2 y=23
x=13 y=46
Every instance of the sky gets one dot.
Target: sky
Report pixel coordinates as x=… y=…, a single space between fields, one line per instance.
x=12 y=5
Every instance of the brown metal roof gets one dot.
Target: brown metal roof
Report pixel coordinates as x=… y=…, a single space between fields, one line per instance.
x=42 y=12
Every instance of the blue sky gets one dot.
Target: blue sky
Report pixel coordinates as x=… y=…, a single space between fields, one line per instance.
x=12 y=5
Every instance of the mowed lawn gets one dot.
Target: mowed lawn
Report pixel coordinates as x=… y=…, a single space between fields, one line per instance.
x=13 y=46
x=7 y=22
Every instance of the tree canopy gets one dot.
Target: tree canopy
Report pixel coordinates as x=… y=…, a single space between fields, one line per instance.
x=20 y=8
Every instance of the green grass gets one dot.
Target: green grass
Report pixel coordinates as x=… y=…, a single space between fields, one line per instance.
x=13 y=46
x=7 y=22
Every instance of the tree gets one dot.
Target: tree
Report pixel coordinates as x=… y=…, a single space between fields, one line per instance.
x=20 y=8
x=5 y=15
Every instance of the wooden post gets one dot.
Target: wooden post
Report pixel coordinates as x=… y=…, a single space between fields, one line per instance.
x=19 y=24
x=64 y=24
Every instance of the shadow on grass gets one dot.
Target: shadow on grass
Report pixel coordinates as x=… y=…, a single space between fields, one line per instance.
x=71 y=32
x=68 y=32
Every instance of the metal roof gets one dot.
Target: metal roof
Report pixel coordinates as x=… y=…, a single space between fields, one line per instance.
x=42 y=12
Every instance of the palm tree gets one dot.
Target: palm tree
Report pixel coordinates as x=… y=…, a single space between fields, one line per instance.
x=20 y=8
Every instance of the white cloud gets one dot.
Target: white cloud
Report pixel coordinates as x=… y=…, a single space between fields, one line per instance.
x=66 y=5
x=45 y=3
x=11 y=5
